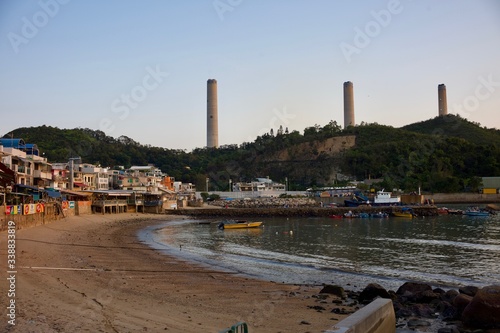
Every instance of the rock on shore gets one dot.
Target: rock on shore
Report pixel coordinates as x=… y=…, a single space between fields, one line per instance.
x=419 y=306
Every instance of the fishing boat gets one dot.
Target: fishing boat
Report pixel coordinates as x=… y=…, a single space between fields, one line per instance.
x=474 y=211
x=238 y=224
x=383 y=198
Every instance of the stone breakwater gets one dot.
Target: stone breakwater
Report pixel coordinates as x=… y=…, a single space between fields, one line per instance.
x=294 y=211
x=266 y=203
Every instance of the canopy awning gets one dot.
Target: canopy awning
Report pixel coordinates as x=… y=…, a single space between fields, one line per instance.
x=53 y=194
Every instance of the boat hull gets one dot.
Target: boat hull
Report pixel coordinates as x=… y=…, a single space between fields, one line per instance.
x=398 y=214
x=477 y=213
x=240 y=225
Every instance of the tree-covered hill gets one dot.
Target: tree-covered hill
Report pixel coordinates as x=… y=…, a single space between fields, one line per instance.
x=444 y=154
x=456 y=126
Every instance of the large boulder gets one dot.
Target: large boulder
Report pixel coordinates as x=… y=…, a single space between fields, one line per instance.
x=484 y=309
x=412 y=288
x=416 y=292
x=460 y=302
x=372 y=291
x=333 y=290
x=469 y=290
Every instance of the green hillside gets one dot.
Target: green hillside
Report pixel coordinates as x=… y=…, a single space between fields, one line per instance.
x=440 y=155
x=456 y=126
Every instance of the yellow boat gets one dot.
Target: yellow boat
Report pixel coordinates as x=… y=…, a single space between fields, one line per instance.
x=238 y=225
x=401 y=214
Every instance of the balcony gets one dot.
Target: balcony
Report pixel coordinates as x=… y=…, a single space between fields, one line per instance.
x=42 y=174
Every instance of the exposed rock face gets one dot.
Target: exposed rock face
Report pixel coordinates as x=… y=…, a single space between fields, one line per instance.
x=484 y=309
x=372 y=291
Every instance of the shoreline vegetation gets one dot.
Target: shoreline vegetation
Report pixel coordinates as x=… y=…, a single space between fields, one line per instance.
x=91 y=273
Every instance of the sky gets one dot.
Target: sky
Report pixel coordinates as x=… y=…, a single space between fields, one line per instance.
x=140 y=68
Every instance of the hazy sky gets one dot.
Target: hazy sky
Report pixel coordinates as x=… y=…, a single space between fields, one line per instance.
x=139 y=68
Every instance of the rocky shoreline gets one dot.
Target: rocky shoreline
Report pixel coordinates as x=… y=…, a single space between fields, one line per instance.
x=420 y=307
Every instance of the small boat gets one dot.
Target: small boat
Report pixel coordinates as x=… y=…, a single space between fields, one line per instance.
x=350 y=214
x=405 y=212
x=476 y=212
x=229 y=224
x=379 y=215
x=455 y=212
x=335 y=216
x=442 y=211
x=402 y=214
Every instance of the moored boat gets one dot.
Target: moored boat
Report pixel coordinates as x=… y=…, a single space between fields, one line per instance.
x=379 y=215
x=383 y=198
x=228 y=224
x=404 y=212
x=474 y=211
x=442 y=211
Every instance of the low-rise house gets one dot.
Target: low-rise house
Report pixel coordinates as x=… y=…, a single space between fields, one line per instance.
x=22 y=158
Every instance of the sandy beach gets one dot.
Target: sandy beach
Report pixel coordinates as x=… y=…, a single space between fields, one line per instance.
x=90 y=274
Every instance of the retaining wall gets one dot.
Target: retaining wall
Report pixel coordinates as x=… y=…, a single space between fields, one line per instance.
x=376 y=317
x=51 y=212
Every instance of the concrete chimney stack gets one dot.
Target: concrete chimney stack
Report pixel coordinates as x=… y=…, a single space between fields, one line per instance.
x=212 y=115
x=442 y=103
x=348 y=105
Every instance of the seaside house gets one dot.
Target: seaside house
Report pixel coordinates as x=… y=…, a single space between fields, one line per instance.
x=22 y=158
x=60 y=176
x=264 y=186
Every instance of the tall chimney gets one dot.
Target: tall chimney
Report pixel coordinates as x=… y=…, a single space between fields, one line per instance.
x=212 y=117
x=442 y=103
x=348 y=105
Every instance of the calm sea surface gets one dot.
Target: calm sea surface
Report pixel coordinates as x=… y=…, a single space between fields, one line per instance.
x=446 y=251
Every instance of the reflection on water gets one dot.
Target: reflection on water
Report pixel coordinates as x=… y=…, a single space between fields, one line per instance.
x=446 y=250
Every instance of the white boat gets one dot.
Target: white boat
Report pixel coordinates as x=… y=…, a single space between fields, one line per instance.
x=386 y=198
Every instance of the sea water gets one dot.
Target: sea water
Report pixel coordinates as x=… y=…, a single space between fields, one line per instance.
x=447 y=251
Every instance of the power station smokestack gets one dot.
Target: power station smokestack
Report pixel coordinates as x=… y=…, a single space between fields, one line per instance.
x=212 y=118
x=442 y=104
x=348 y=105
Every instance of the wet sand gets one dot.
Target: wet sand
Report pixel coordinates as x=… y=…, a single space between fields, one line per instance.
x=90 y=274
